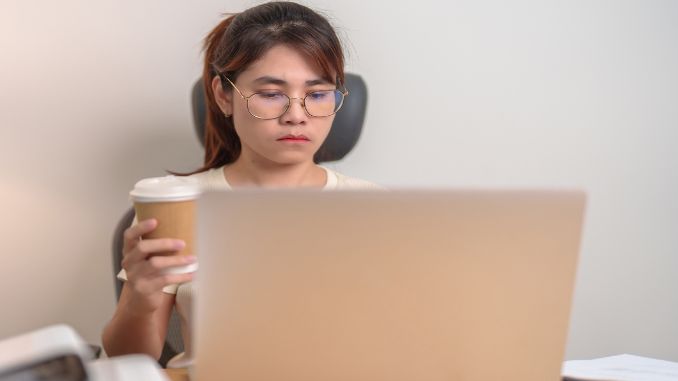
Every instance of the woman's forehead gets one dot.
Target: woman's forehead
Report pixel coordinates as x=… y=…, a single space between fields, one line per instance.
x=282 y=65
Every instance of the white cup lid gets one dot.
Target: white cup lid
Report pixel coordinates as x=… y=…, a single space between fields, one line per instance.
x=168 y=188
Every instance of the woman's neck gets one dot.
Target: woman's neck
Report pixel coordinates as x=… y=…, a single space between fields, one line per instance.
x=246 y=172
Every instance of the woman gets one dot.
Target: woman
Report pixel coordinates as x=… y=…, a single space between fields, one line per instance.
x=274 y=76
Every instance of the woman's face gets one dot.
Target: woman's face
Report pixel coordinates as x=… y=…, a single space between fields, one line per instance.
x=295 y=136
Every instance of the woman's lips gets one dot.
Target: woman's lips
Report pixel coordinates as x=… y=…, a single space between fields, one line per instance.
x=294 y=138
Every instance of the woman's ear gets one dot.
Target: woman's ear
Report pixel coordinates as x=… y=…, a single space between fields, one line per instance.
x=224 y=98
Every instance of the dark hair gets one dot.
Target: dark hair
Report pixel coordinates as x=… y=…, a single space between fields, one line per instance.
x=241 y=39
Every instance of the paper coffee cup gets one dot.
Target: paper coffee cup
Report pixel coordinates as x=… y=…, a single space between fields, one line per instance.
x=171 y=201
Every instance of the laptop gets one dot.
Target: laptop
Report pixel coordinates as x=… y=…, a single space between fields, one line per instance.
x=385 y=285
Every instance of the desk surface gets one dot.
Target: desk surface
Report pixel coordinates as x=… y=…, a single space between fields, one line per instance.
x=179 y=374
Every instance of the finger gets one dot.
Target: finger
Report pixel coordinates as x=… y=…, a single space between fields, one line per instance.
x=160 y=245
x=134 y=233
x=146 y=280
x=159 y=264
x=169 y=279
x=147 y=248
x=157 y=283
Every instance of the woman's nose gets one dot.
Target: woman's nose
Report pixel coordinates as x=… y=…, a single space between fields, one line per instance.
x=296 y=113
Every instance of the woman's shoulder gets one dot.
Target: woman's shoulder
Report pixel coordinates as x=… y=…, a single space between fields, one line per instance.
x=212 y=179
x=342 y=181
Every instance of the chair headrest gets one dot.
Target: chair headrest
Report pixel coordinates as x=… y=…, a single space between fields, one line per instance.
x=346 y=128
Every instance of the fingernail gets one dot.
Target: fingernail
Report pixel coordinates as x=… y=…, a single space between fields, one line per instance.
x=190 y=258
x=179 y=244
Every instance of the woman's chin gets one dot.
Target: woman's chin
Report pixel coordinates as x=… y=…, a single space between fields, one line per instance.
x=292 y=157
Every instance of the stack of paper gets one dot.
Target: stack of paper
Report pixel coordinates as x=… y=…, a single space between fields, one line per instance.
x=620 y=368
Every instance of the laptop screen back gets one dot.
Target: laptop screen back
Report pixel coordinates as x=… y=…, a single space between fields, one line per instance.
x=400 y=285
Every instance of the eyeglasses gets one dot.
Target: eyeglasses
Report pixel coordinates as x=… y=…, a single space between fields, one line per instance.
x=273 y=104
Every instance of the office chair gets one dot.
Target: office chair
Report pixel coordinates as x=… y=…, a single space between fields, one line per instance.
x=346 y=129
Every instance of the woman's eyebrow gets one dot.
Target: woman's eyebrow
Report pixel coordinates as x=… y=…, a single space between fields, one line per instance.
x=265 y=80
x=269 y=80
x=318 y=81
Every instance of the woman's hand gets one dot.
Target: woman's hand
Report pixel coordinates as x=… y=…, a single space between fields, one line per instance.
x=146 y=270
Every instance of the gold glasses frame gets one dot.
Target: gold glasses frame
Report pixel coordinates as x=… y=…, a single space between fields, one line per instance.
x=289 y=101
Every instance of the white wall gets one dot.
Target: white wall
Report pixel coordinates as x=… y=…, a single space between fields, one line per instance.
x=94 y=95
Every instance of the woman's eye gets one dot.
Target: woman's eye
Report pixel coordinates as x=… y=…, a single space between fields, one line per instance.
x=270 y=95
x=319 y=95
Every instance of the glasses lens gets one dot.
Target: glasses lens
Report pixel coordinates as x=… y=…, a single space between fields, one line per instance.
x=268 y=105
x=324 y=102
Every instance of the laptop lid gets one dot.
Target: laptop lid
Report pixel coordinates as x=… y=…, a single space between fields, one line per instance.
x=398 y=285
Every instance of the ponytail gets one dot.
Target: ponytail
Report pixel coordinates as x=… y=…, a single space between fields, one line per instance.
x=222 y=145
